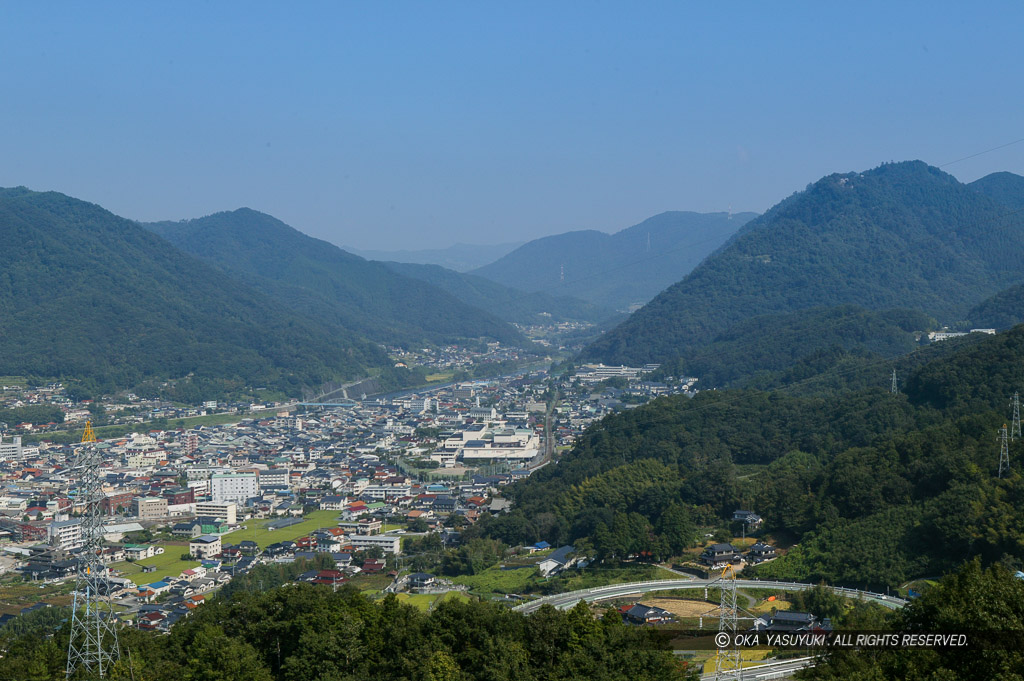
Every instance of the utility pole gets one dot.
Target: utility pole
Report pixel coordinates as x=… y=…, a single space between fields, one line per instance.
x=1004 y=452
x=93 y=647
x=1015 y=428
x=893 y=389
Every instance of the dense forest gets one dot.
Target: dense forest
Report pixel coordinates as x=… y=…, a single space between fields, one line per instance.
x=876 y=488
x=616 y=270
x=757 y=350
x=89 y=295
x=985 y=604
x=902 y=235
x=327 y=283
x=310 y=633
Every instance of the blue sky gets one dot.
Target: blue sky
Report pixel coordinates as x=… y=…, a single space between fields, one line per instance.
x=418 y=125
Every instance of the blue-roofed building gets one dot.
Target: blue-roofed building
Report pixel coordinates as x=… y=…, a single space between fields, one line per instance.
x=557 y=561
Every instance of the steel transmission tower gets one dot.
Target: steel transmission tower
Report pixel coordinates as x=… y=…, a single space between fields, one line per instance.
x=1004 y=452
x=893 y=389
x=1015 y=427
x=728 y=662
x=93 y=648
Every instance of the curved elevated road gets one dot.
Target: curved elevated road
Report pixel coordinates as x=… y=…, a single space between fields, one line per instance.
x=571 y=598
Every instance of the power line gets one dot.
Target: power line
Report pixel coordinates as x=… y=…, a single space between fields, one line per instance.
x=982 y=153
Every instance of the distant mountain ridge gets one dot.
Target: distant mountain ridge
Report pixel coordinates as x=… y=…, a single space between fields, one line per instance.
x=616 y=270
x=87 y=294
x=901 y=235
x=325 y=282
x=458 y=257
x=1006 y=188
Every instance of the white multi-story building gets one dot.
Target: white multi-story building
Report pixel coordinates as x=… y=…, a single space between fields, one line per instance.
x=273 y=477
x=209 y=509
x=386 y=543
x=206 y=546
x=10 y=451
x=67 y=534
x=234 y=487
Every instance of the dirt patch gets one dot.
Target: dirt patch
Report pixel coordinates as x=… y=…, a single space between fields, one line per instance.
x=681 y=607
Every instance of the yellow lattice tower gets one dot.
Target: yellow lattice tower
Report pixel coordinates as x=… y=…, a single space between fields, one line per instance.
x=88 y=435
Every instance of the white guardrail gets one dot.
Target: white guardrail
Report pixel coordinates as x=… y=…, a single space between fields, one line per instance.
x=570 y=598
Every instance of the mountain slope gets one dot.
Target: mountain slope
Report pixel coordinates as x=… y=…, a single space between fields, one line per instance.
x=86 y=294
x=752 y=349
x=616 y=270
x=507 y=303
x=323 y=281
x=1006 y=188
x=1001 y=311
x=902 y=235
x=459 y=257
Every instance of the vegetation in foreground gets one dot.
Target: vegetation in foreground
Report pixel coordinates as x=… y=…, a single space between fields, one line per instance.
x=309 y=633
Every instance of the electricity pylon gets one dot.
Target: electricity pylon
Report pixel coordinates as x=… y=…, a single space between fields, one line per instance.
x=1004 y=452
x=728 y=662
x=1015 y=428
x=93 y=647
x=893 y=389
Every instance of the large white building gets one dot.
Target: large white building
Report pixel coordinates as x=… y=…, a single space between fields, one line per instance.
x=234 y=487
x=10 y=451
x=387 y=543
x=210 y=509
x=67 y=534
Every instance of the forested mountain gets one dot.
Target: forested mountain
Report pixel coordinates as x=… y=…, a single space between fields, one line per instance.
x=510 y=304
x=616 y=270
x=877 y=488
x=86 y=294
x=1006 y=188
x=902 y=235
x=459 y=257
x=327 y=283
x=1001 y=311
x=769 y=347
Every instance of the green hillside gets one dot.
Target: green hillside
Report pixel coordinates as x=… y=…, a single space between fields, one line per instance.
x=1001 y=311
x=327 y=283
x=510 y=304
x=86 y=294
x=902 y=235
x=1006 y=188
x=616 y=270
x=875 y=488
x=753 y=349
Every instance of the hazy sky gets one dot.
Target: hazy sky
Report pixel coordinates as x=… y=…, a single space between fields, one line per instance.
x=416 y=125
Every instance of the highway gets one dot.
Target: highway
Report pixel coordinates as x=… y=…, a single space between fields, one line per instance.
x=571 y=598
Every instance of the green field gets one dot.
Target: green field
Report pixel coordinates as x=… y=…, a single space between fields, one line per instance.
x=168 y=563
x=253 y=530
x=426 y=602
